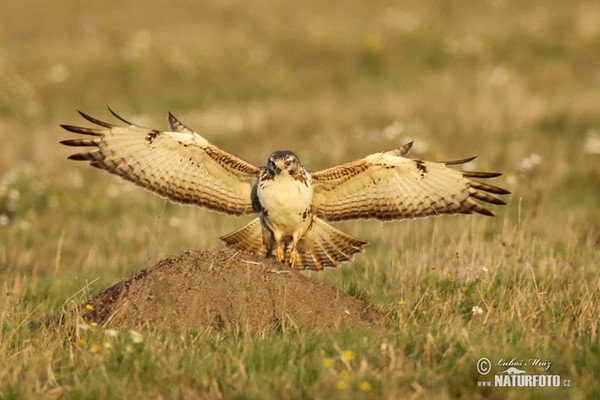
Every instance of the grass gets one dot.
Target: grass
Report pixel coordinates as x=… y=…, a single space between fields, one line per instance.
x=515 y=82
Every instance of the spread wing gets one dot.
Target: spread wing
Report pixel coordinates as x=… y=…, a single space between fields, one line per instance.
x=180 y=165
x=386 y=186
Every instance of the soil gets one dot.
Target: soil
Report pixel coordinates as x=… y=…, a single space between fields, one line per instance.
x=225 y=290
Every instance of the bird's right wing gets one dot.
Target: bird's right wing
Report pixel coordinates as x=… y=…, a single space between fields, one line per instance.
x=387 y=186
x=180 y=165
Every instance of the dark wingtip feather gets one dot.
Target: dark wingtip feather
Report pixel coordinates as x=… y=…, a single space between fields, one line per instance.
x=487 y=198
x=177 y=126
x=95 y=121
x=117 y=116
x=77 y=142
x=463 y=161
x=488 y=188
x=473 y=174
x=80 y=157
x=406 y=148
x=484 y=211
x=81 y=130
x=401 y=151
x=172 y=119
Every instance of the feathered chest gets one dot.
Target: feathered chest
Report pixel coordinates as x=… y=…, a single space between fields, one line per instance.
x=284 y=194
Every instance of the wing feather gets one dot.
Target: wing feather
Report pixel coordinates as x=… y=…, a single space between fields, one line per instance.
x=387 y=186
x=180 y=165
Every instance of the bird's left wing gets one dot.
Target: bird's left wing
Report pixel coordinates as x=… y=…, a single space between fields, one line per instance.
x=180 y=165
x=387 y=186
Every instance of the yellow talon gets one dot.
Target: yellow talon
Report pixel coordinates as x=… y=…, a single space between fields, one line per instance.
x=280 y=253
x=293 y=256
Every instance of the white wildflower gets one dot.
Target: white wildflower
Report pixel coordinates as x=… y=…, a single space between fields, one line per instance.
x=83 y=326
x=111 y=332
x=136 y=337
x=476 y=310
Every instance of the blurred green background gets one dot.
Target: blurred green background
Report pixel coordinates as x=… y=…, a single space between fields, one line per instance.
x=515 y=82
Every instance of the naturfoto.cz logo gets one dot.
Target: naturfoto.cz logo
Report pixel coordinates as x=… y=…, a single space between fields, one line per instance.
x=518 y=373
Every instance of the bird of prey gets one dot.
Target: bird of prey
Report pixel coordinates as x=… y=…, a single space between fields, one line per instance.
x=292 y=203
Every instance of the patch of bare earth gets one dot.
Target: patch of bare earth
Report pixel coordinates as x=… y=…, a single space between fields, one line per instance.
x=225 y=289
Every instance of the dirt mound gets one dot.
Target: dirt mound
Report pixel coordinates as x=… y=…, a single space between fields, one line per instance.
x=225 y=289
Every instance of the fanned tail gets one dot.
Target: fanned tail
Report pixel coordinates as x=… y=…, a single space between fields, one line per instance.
x=325 y=247
x=248 y=237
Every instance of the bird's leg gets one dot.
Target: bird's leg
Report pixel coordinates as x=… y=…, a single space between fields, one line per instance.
x=293 y=255
x=279 y=244
x=294 y=251
x=280 y=251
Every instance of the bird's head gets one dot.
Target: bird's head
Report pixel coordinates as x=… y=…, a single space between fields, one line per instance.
x=283 y=161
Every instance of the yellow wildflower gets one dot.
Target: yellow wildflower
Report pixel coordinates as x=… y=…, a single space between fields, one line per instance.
x=328 y=362
x=348 y=355
x=89 y=307
x=448 y=277
x=341 y=385
x=364 y=386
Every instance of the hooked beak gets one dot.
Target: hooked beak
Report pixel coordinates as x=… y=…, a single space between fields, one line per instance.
x=278 y=169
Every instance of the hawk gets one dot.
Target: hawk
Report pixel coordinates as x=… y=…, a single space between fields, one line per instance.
x=292 y=203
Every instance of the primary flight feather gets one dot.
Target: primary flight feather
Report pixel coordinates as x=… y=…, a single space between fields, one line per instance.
x=293 y=203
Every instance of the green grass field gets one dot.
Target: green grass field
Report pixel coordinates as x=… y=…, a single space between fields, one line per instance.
x=515 y=82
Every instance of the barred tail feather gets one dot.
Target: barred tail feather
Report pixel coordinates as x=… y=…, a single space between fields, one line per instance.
x=248 y=237
x=323 y=246
x=326 y=247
